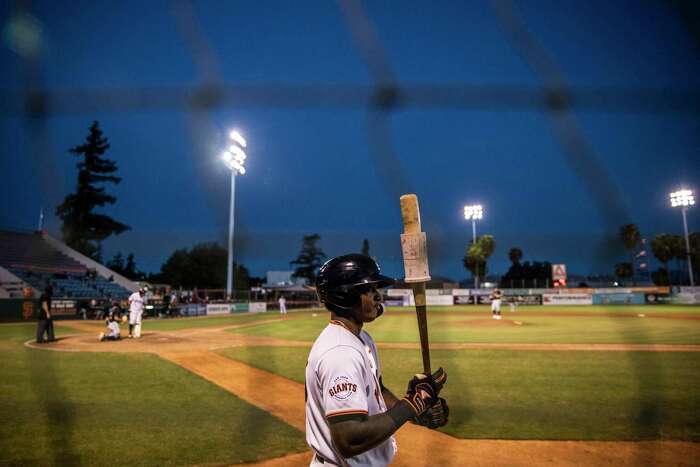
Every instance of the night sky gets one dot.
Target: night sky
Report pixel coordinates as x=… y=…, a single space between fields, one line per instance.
x=313 y=169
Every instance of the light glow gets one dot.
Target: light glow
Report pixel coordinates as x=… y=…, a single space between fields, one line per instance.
x=235 y=156
x=236 y=151
x=473 y=212
x=682 y=198
x=236 y=136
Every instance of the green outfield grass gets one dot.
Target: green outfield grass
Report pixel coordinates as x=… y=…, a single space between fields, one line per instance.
x=65 y=408
x=609 y=325
x=541 y=395
x=174 y=324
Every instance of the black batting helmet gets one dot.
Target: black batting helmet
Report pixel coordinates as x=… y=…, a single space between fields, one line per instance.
x=341 y=280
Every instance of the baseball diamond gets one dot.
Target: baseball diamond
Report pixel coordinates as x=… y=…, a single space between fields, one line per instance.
x=571 y=399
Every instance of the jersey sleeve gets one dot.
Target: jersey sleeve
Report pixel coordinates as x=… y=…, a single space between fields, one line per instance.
x=342 y=378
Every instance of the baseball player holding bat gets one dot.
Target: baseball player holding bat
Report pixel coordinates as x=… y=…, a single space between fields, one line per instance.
x=350 y=415
x=137 y=301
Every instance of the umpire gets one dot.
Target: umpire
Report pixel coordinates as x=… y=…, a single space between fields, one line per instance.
x=45 y=323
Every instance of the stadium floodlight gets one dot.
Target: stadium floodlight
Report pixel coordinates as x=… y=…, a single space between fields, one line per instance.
x=234 y=158
x=236 y=136
x=684 y=198
x=473 y=212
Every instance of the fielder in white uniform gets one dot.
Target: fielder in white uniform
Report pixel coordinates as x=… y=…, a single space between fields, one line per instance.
x=496 y=303
x=283 y=306
x=137 y=301
x=350 y=416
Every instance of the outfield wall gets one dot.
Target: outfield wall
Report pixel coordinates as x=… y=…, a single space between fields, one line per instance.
x=572 y=296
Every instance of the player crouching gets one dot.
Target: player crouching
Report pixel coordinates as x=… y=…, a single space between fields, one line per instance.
x=113 y=332
x=350 y=415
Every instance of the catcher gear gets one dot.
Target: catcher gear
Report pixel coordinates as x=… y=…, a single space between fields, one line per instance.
x=423 y=390
x=436 y=415
x=343 y=279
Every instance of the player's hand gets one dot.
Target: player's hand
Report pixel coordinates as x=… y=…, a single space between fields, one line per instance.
x=423 y=390
x=435 y=416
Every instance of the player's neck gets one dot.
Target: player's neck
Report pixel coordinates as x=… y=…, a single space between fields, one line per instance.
x=348 y=324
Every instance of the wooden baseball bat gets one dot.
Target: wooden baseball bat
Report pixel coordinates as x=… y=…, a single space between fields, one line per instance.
x=411 y=225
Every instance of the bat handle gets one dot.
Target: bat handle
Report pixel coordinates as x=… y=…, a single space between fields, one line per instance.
x=421 y=315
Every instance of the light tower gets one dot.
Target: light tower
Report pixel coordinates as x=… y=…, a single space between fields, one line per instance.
x=234 y=158
x=474 y=212
x=683 y=199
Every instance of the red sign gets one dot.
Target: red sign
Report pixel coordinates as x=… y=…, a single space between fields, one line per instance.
x=558 y=272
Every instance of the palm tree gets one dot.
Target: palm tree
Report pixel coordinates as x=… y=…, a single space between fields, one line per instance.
x=630 y=236
x=624 y=270
x=515 y=255
x=661 y=247
x=677 y=244
x=474 y=261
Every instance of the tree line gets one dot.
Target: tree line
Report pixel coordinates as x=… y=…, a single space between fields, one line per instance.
x=665 y=247
x=204 y=265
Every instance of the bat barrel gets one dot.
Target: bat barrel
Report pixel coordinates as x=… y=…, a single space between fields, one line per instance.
x=413 y=246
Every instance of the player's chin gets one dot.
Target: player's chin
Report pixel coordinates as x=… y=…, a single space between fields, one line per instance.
x=373 y=313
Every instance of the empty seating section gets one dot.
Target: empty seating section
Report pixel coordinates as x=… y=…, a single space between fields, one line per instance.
x=29 y=250
x=34 y=261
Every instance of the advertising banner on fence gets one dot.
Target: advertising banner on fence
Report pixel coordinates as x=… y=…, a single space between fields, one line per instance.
x=257 y=307
x=63 y=307
x=399 y=292
x=567 y=299
x=193 y=310
x=525 y=299
x=658 y=299
x=439 y=300
x=618 y=299
x=218 y=309
x=686 y=298
x=463 y=299
x=239 y=307
x=394 y=301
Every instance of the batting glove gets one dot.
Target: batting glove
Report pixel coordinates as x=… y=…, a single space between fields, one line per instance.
x=423 y=390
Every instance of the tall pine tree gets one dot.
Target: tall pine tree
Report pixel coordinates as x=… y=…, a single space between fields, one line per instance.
x=83 y=229
x=309 y=260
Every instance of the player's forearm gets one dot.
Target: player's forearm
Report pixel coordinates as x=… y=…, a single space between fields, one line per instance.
x=354 y=437
x=389 y=398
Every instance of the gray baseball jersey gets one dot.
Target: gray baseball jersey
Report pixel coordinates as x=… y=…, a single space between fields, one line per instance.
x=342 y=378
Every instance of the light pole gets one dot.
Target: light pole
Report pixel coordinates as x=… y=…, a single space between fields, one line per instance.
x=234 y=158
x=474 y=212
x=684 y=198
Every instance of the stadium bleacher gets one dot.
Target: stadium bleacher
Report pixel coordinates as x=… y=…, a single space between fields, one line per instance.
x=29 y=257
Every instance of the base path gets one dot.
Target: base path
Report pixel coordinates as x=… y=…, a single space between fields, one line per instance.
x=419 y=446
x=194 y=349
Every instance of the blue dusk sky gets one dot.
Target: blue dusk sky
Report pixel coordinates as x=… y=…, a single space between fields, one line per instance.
x=316 y=163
